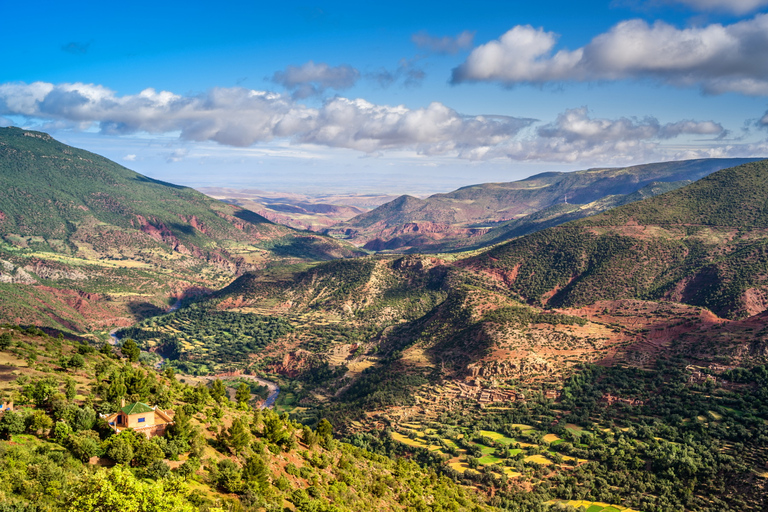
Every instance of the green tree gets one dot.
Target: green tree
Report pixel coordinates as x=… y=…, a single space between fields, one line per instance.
x=146 y=453
x=5 y=340
x=76 y=361
x=70 y=389
x=243 y=393
x=256 y=473
x=238 y=435
x=84 y=444
x=39 y=422
x=218 y=390
x=119 y=448
x=118 y=489
x=41 y=390
x=130 y=350
x=11 y=423
x=181 y=430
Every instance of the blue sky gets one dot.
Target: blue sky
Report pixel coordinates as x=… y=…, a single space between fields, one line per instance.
x=399 y=96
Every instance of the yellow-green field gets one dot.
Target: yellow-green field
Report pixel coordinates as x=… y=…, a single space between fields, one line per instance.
x=593 y=506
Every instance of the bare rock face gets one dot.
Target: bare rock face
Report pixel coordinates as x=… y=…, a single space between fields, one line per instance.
x=47 y=272
x=11 y=274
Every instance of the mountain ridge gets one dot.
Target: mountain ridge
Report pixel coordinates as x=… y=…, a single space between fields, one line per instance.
x=460 y=212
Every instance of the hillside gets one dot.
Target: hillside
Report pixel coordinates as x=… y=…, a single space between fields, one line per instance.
x=75 y=226
x=57 y=453
x=461 y=219
x=702 y=245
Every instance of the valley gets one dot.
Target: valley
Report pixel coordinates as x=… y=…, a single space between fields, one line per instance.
x=611 y=358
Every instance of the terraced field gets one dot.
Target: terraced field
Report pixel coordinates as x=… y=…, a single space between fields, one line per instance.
x=463 y=450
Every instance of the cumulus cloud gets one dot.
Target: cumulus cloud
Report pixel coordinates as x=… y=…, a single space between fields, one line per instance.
x=129 y=158
x=312 y=79
x=717 y=58
x=733 y=6
x=575 y=136
x=445 y=45
x=436 y=129
x=241 y=117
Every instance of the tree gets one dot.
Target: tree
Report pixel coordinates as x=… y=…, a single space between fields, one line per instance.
x=256 y=473
x=238 y=435
x=147 y=453
x=85 y=419
x=324 y=428
x=218 y=390
x=229 y=476
x=84 y=444
x=130 y=350
x=243 y=393
x=5 y=340
x=11 y=423
x=41 y=390
x=181 y=430
x=71 y=389
x=119 y=449
x=76 y=361
x=118 y=489
x=39 y=422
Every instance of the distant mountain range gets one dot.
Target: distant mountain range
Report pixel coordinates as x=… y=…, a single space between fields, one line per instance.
x=481 y=215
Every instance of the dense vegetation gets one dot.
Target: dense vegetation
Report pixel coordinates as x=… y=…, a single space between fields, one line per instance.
x=207 y=336
x=218 y=455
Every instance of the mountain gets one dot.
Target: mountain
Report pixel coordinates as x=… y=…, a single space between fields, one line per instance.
x=461 y=219
x=703 y=245
x=77 y=227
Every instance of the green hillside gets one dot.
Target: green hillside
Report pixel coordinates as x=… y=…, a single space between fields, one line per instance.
x=703 y=244
x=86 y=243
x=58 y=454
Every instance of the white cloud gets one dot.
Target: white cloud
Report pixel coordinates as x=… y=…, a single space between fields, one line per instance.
x=129 y=158
x=436 y=129
x=312 y=79
x=446 y=45
x=734 y=6
x=576 y=137
x=177 y=155
x=242 y=117
x=718 y=58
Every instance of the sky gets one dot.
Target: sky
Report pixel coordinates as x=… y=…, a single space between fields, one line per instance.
x=398 y=97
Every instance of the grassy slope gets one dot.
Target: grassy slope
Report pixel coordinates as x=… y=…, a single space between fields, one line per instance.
x=72 y=220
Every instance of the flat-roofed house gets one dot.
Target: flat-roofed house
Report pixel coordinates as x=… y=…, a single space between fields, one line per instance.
x=150 y=421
